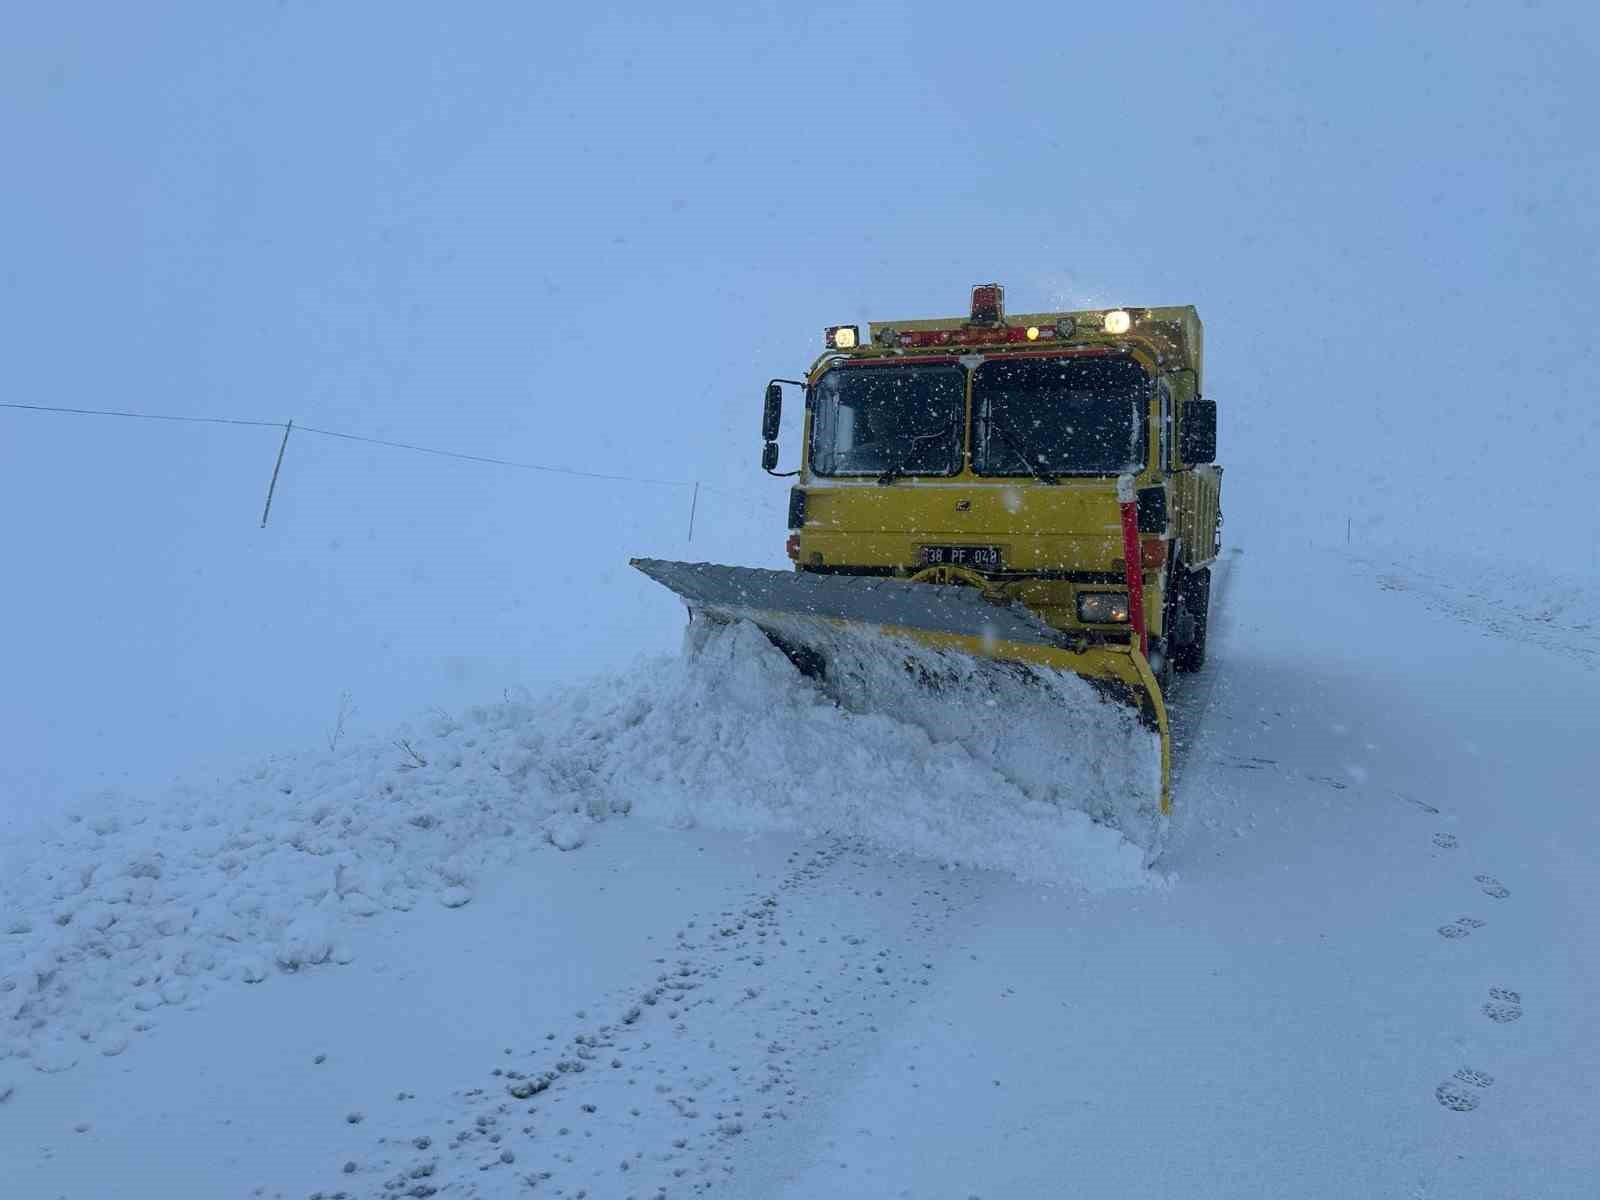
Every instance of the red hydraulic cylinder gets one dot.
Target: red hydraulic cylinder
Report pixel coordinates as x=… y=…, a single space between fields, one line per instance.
x=1133 y=565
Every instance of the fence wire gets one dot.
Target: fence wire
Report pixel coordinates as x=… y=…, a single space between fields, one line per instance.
x=286 y=426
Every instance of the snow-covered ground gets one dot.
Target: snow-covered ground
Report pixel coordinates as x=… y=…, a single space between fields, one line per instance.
x=694 y=930
x=831 y=953
x=133 y=907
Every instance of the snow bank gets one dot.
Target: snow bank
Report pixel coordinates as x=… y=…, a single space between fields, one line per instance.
x=1550 y=606
x=964 y=771
x=136 y=906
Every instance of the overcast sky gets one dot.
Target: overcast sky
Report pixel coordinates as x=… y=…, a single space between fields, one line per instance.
x=535 y=232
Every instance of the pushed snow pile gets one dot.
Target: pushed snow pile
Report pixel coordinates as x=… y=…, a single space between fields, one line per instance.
x=929 y=754
x=140 y=906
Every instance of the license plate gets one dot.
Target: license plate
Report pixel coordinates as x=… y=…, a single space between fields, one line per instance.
x=984 y=558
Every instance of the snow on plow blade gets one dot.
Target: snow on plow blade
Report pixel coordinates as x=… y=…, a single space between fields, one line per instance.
x=1008 y=685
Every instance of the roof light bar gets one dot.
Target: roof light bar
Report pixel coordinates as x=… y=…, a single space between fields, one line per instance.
x=1116 y=322
x=841 y=337
x=973 y=335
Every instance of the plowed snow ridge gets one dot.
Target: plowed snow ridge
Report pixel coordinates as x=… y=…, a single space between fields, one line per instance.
x=142 y=902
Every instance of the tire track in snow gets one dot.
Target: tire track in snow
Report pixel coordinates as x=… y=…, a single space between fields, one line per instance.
x=1194 y=697
x=716 y=1069
x=1561 y=619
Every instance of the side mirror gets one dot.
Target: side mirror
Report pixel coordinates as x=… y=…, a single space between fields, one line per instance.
x=769 y=456
x=1197 y=439
x=772 y=413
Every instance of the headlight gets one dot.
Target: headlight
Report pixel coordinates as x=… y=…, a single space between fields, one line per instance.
x=1102 y=608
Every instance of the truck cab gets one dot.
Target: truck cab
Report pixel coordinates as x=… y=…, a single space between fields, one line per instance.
x=986 y=450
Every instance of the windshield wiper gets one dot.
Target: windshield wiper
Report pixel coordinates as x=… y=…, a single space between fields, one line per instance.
x=1021 y=450
x=898 y=471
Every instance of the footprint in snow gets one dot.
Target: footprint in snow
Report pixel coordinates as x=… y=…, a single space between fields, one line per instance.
x=1461 y=927
x=1492 y=886
x=1460 y=1092
x=1422 y=804
x=1503 y=1005
x=1445 y=841
x=1244 y=763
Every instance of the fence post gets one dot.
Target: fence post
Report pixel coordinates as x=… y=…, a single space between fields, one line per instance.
x=276 y=467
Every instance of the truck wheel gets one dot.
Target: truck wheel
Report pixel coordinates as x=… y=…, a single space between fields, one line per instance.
x=1194 y=595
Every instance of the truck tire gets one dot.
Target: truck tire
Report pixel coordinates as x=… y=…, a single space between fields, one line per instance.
x=1194 y=595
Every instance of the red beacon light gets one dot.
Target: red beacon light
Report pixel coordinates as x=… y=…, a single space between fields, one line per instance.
x=988 y=304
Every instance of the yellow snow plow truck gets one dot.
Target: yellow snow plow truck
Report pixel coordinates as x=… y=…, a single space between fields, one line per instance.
x=995 y=507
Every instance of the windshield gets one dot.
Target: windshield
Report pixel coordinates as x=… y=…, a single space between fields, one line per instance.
x=904 y=419
x=1059 y=416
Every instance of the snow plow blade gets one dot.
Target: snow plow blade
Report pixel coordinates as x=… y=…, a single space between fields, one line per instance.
x=839 y=627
